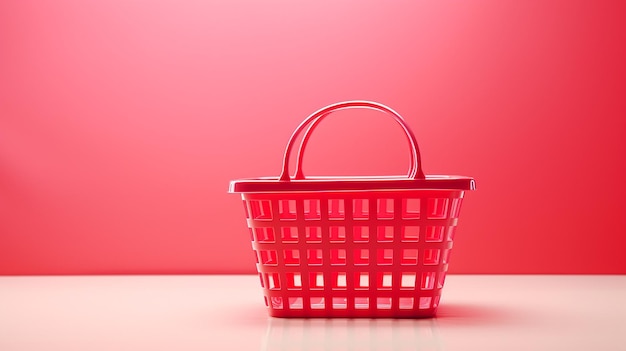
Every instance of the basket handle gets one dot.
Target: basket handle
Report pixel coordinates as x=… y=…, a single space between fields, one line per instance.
x=415 y=167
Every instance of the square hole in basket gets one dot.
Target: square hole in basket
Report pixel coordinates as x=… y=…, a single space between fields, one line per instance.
x=431 y=257
x=428 y=281
x=312 y=210
x=405 y=303
x=455 y=208
x=407 y=280
x=385 y=234
x=289 y=234
x=261 y=279
x=251 y=234
x=385 y=208
x=317 y=303
x=277 y=302
x=294 y=281
x=291 y=257
x=316 y=280
x=339 y=280
x=409 y=257
x=410 y=208
x=287 y=210
x=295 y=303
x=314 y=257
x=360 y=209
x=268 y=257
x=384 y=281
x=336 y=209
x=361 y=280
x=437 y=208
x=265 y=234
x=384 y=257
x=256 y=255
x=273 y=281
x=313 y=234
x=424 y=303
x=361 y=234
x=410 y=234
x=361 y=257
x=337 y=257
x=361 y=303
x=337 y=234
x=340 y=303
x=260 y=210
x=383 y=303
x=434 y=233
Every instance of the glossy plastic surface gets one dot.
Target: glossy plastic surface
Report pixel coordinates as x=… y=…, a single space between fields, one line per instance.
x=352 y=247
x=353 y=254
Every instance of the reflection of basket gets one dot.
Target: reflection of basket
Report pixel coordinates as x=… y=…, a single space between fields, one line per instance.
x=352 y=246
x=351 y=334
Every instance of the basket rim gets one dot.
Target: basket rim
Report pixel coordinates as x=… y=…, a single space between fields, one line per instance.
x=364 y=183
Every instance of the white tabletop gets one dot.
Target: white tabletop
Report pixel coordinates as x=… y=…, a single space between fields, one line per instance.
x=220 y=312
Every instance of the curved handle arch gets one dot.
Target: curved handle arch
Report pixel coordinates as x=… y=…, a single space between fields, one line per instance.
x=415 y=168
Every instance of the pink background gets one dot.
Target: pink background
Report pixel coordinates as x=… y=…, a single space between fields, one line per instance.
x=122 y=122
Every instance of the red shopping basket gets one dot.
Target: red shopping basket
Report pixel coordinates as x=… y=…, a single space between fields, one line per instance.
x=352 y=246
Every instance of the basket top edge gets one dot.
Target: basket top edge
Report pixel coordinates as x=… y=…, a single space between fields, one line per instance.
x=358 y=183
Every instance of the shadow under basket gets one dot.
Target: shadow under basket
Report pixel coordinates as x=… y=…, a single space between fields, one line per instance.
x=352 y=246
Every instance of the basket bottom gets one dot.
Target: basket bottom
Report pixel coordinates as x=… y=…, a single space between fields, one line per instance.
x=399 y=304
x=422 y=313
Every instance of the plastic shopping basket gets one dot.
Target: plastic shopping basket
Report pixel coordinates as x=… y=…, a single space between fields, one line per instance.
x=352 y=246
